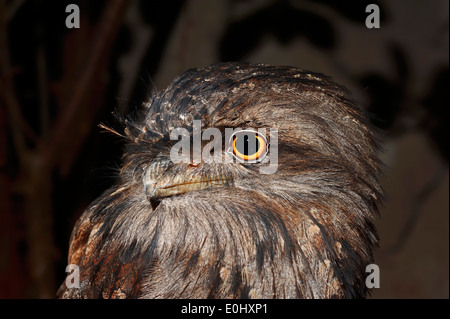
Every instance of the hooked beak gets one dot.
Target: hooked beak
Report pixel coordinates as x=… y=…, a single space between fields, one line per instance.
x=171 y=180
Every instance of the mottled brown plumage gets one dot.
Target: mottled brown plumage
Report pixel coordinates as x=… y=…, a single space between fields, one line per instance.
x=305 y=231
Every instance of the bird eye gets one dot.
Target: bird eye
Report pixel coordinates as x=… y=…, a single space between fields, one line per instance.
x=249 y=146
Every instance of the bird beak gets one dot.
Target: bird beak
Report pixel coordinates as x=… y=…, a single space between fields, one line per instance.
x=180 y=179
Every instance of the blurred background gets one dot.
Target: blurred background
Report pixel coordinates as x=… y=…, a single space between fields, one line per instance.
x=57 y=84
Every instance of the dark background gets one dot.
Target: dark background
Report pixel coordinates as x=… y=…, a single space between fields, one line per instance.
x=57 y=85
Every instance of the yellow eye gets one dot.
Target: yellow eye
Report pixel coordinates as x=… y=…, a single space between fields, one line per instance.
x=249 y=146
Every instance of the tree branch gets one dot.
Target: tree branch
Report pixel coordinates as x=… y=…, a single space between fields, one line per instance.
x=8 y=91
x=108 y=27
x=12 y=9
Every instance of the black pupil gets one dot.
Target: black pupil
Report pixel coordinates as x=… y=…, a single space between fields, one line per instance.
x=247 y=144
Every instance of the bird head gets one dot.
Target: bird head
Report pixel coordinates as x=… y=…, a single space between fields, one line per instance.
x=240 y=180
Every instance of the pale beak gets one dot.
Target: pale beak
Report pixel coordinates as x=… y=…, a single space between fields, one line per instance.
x=180 y=179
